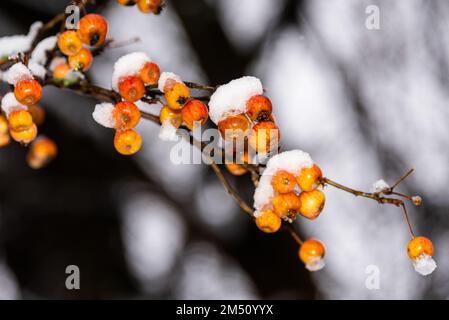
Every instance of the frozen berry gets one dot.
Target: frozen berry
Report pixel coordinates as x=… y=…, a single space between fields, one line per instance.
x=311 y=254
x=150 y=73
x=194 y=113
x=259 y=108
x=287 y=205
x=177 y=95
x=283 y=182
x=131 y=88
x=93 y=29
x=309 y=179
x=418 y=246
x=126 y=115
x=168 y=114
x=234 y=127
x=312 y=203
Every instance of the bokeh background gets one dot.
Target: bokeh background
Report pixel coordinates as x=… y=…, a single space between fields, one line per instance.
x=366 y=104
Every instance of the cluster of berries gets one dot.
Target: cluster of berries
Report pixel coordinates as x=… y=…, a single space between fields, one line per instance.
x=92 y=32
x=145 y=6
x=180 y=107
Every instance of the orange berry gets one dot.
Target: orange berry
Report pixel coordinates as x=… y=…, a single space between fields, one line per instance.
x=146 y=6
x=287 y=205
x=20 y=120
x=236 y=169
x=283 y=182
x=81 y=60
x=264 y=137
x=37 y=113
x=417 y=200
x=150 y=73
x=259 y=108
x=93 y=29
x=4 y=139
x=310 y=251
x=60 y=72
x=24 y=136
x=234 y=127
x=174 y=116
x=126 y=2
x=194 y=112
x=126 y=115
x=28 y=92
x=419 y=245
x=309 y=179
x=268 y=221
x=131 y=88
x=3 y=124
x=177 y=95
x=127 y=142
x=42 y=151
x=312 y=203
x=69 y=43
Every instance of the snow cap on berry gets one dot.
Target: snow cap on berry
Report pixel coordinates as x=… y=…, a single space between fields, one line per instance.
x=9 y=104
x=424 y=264
x=292 y=161
x=379 y=186
x=103 y=114
x=315 y=264
x=12 y=45
x=230 y=99
x=167 y=76
x=18 y=72
x=167 y=132
x=128 y=65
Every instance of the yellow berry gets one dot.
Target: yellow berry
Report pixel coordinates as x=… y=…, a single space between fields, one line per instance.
x=268 y=221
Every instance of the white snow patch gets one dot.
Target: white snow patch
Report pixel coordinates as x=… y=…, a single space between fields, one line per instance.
x=230 y=99
x=315 y=264
x=167 y=76
x=379 y=186
x=37 y=69
x=9 y=104
x=56 y=62
x=424 y=264
x=167 y=132
x=39 y=54
x=103 y=114
x=128 y=65
x=292 y=161
x=18 y=72
x=12 y=45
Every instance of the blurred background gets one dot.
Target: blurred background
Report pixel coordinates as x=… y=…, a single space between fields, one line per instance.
x=366 y=104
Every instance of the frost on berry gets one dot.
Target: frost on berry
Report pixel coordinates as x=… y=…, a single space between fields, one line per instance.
x=128 y=65
x=424 y=264
x=379 y=186
x=18 y=72
x=167 y=76
x=10 y=103
x=103 y=114
x=315 y=264
x=230 y=99
x=167 y=132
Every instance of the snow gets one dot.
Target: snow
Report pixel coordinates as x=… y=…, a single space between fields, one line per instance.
x=127 y=65
x=379 y=186
x=37 y=69
x=167 y=132
x=39 y=54
x=292 y=161
x=230 y=99
x=424 y=264
x=9 y=104
x=56 y=62
x=19 y=43
x=315 y=264
x=167 y=76
x=103 y=114
x=18 y=72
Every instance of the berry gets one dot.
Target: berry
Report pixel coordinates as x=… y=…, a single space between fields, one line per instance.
x=93 y=29
x=147 y=6
x=264 y=137
x=236 y=169
x=126 y=2
x=234 y=127
x=417 y=200
x=194 y=113
x=127 y=142
x=81 y=61
x=283 y=182
x=131 y=88
x=312 y=203
x=24 y=136
x=28 y=92
x=311 y=251
x=259 y=108
x=20 y=120
x=174 y=116
x=287 y=205
x=60 y=72
x=5 y=139
x=3 y=124
x=268 y=221
x=126 y=115
x=418 y=246
x=150 y=73
x=37 y=113
x=42 y=151
x=177 y=95
x=69 y=43
x=309 y=178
